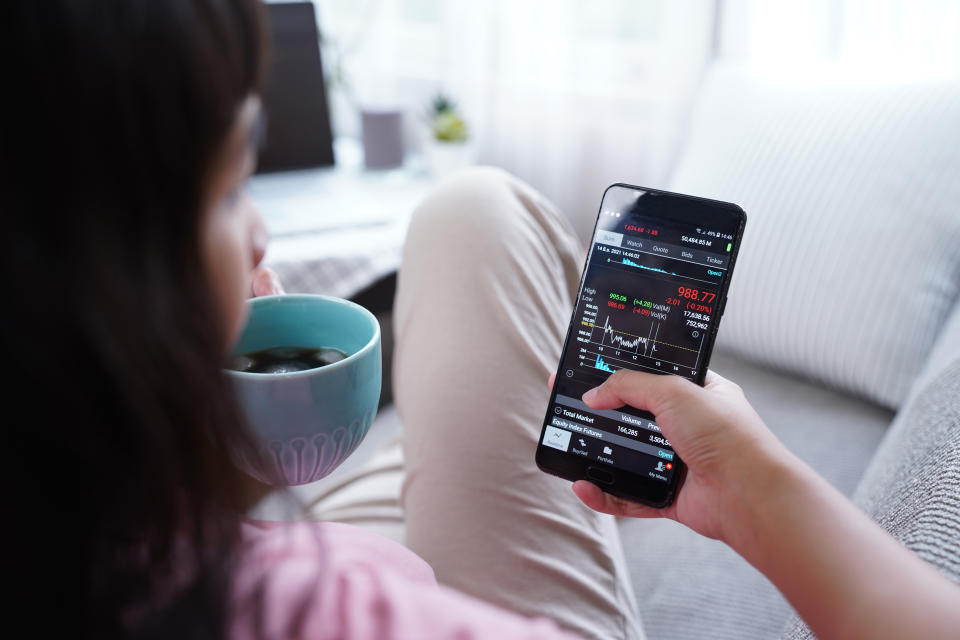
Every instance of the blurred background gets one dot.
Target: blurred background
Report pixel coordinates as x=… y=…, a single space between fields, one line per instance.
x=835 y=124
x=573 y=95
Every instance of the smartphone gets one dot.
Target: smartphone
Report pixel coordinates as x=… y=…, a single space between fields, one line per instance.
x=651 y=297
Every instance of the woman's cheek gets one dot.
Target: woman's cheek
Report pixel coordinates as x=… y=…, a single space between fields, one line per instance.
x=229 y=266
x=242 y=282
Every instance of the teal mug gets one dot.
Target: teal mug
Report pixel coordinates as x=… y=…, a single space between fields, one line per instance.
x=308 y=422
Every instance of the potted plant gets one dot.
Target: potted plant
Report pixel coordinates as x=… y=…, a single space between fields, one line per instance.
x=448 y=147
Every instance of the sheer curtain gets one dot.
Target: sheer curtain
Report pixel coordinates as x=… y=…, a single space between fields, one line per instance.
x=573 y=95
x=868 y=40
x=569 y=95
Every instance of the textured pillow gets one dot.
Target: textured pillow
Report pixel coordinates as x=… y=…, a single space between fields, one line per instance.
x=912 y=485
x=851 y=257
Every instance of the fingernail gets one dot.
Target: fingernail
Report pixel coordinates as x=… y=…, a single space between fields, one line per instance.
x=589 y=396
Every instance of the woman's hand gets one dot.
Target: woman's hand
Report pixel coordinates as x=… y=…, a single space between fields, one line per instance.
x=265 y=282
x=843 y=574
x=713 y=429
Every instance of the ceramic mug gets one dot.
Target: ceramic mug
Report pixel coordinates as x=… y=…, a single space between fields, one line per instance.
x=308 y=422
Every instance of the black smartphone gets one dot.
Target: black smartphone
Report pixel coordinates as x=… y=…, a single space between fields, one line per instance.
x=651 y=297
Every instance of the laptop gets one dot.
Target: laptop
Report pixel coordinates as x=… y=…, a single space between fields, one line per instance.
x=298 y=132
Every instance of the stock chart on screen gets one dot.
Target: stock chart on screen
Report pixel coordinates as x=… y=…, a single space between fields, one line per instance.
x=646 y=304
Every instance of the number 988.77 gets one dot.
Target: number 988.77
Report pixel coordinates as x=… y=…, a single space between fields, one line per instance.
x=696 y=294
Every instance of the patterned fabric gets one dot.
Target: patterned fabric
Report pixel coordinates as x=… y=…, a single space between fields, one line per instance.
x=912 y=487
x=849 y=263
x=337 y=263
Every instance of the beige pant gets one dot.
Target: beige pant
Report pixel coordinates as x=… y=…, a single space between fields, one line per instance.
x=490 y=270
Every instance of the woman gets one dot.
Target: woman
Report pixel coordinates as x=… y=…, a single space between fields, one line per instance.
x=130 y=250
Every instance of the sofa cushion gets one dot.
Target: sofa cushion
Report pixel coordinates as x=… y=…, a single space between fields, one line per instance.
x=912 y=485
x=849 y=263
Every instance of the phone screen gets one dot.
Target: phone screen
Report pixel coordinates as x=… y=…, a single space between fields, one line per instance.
x=650 y=299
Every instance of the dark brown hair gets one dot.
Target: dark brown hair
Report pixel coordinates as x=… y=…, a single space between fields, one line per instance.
x=124 y=502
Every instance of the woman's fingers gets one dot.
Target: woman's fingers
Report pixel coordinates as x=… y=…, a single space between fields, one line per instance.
x=551 y=380
x=591 y=495
x=266 y=282
x=645 y=391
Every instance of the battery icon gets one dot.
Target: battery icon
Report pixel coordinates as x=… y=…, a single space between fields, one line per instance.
x=729 y=246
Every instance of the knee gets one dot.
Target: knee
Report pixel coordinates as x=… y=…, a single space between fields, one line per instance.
x=483 y=218
x=475 y=203
x=478 y=180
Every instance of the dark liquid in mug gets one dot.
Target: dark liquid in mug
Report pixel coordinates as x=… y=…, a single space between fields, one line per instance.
x=286 y=359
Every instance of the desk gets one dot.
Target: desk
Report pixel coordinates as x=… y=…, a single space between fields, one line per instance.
x=337 y=230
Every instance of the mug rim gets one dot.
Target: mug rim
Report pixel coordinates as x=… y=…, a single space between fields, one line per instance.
x=292 y=297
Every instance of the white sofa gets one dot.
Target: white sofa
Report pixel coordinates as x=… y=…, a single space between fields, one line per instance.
x=843 y=322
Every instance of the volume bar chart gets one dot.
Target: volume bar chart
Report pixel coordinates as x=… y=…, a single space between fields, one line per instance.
x=603 y=366
x=630 y=263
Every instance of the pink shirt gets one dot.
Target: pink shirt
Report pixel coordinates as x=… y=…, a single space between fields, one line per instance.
x=329 y=580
